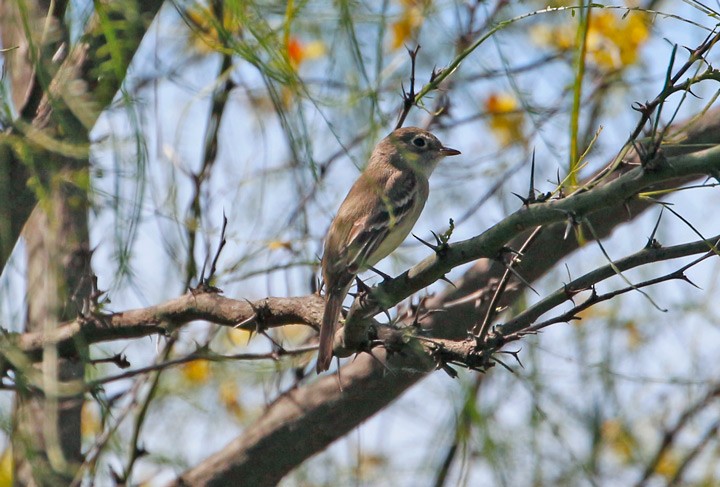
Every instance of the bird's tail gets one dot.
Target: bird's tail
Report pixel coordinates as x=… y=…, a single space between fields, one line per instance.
x=333 y=305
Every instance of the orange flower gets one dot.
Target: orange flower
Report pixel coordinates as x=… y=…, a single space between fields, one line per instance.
x=299 y=52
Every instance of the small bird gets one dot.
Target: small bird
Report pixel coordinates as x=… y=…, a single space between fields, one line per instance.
x=375 y=217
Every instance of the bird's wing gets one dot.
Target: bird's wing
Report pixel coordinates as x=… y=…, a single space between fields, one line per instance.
x=398 y=202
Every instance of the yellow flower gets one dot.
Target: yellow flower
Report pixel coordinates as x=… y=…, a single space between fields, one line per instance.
x=207 y=31
x=613 y=40
x=668 y=465
x=280 y=244
x=196 y=371
x=560 y=37
x=506 y=120
x=238 y=337
x=619 y=439
x=6 y=468
x=406 y=27
x=228 y=394
x=294 y=333
x=90 y=424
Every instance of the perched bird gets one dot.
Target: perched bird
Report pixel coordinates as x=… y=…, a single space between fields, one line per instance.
x=375 y=217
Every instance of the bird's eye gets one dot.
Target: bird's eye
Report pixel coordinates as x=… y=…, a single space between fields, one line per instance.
x=419 y=142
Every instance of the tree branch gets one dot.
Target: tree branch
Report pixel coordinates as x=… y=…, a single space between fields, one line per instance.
x=165 y=317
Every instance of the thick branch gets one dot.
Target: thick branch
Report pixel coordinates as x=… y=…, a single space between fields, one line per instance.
x=165 y=317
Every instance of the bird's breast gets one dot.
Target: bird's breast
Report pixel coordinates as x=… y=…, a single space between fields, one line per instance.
x=397 y=234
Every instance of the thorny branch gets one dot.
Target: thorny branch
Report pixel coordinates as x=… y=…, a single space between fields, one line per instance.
x=648 y=255
x=409 y=96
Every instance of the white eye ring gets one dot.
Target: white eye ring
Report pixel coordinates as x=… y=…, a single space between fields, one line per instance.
x=419 y=142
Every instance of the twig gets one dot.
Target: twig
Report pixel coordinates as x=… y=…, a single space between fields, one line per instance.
x=409 y=96
x=482 y=329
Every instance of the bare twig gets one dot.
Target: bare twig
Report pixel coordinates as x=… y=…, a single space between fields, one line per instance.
x=409 y=96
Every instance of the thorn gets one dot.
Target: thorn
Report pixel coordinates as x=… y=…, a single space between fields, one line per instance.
x=515 y=354
x=428 y=313
x=438 y=242
x=508 y=250
x=435 y=73
x=531 y=191
x=593 y=293
x=571 y=293
x=472 y=336
x=525 y=201
x=640 y=107
x=441 y=365
x=520 y=278
x=363 y=291
x=384 y=365
x=715 y=174
x=443 y=278
x=246 y=321
x=380 y=273
x=570 y=225
x=627 y=209
x=687 y=279
x=361 y=286
x=415 y=312
x=427 y=244
x=506 y=366
x=652 y=242
x=277 y=346
x=450 y=371
x=438 y=249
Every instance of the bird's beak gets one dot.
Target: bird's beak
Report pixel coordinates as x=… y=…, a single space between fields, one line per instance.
x=447 y=151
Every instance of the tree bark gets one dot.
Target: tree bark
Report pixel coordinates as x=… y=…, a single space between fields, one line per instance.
x=46 y=436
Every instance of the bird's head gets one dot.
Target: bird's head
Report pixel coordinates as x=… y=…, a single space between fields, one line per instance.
x=416 y=148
